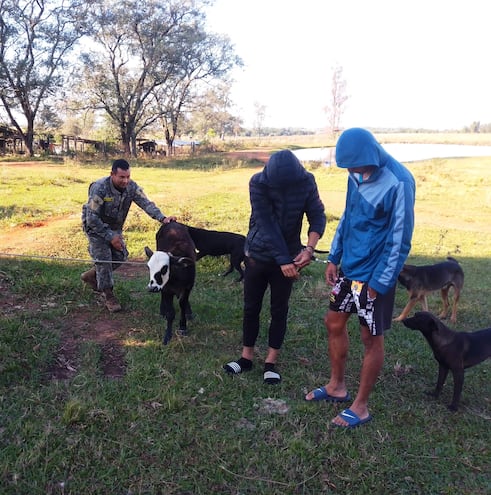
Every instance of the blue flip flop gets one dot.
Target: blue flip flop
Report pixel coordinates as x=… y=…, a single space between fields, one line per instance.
x=352 y=419
x=321 y=394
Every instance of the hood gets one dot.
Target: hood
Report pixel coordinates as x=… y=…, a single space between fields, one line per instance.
x=283 y=168
x=358 y=148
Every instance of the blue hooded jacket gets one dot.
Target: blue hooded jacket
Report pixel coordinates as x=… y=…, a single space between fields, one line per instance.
x=373 y=238
x=280 y=195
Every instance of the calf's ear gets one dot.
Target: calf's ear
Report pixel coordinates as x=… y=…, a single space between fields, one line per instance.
x=148 y=252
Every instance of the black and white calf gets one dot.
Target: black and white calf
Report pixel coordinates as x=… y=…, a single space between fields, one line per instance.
x=172 y=273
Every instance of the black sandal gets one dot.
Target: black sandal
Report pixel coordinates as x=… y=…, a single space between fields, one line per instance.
x=271 y=376
x=236 y=367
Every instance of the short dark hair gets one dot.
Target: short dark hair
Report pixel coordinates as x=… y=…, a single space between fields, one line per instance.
x=120 y=163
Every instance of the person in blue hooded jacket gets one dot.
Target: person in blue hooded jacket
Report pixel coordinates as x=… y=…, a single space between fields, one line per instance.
x=370 y=246
x=280 y=196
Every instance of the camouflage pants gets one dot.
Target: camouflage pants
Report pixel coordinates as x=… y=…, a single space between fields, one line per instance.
x=108 y=260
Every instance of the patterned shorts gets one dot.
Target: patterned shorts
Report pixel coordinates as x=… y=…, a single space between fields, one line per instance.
x=351 y=296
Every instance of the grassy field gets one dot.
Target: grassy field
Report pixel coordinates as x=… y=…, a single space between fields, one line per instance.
x=170 y=421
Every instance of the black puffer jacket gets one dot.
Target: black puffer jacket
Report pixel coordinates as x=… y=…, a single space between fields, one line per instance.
x=280 y=196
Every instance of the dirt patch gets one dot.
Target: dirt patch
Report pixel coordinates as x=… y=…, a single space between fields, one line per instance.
x=88 y=326
x=107 y=331
x=32 y=234
x=260 y=155
x=83 y=324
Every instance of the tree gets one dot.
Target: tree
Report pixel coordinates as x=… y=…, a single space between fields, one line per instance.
x=210 y=60
x=35 y=39
x=259 y=116
x=335 y=108
x=476 y=127
x=147 y=59
x=48 y=123
x=211 y=112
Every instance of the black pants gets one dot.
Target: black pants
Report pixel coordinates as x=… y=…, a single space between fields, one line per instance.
x=257 y=276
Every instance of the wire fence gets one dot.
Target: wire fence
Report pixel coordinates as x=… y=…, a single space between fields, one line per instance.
x=76 y=260
x=81 y=260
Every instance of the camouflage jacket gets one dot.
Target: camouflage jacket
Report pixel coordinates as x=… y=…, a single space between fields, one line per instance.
x=106 y=210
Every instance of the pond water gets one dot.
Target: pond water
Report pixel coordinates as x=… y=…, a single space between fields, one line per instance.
x=404 y=152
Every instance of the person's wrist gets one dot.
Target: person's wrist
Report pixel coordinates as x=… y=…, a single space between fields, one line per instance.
x=309 y=249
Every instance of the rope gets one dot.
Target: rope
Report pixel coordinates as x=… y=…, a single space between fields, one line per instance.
x=78 y=260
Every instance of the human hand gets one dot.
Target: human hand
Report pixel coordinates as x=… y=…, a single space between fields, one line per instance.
x=117 y=242
x=372 y=293
x=302 y=259
x=331 y=273
x=169 y=220
x=290 y=271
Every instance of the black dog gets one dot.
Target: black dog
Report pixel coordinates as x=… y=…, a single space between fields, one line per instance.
x=420 y=280
x=216 y=243
x=454 y=351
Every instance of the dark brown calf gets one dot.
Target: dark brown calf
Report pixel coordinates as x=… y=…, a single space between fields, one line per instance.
x=172 y=273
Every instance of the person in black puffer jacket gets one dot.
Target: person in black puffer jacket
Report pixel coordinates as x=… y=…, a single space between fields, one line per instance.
x=280 y=196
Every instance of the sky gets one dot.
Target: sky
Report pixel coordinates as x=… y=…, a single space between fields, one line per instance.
x=414 y=63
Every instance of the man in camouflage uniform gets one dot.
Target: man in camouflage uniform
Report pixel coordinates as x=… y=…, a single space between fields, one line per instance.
x=103 y=217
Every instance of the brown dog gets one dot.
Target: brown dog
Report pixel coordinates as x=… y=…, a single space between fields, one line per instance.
x=420 y=280
x=454 y=351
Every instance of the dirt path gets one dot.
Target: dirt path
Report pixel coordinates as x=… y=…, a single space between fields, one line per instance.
x=261 y=155
x=82 y=323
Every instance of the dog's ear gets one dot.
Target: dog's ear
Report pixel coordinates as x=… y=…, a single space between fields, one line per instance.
x=408 y=322
x=433 y=324
x=409 y=269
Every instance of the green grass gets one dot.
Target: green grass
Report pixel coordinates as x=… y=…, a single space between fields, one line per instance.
x=175 y=423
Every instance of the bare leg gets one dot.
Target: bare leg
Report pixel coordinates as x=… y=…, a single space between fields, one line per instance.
x=373 y=361
x=338 y=344
x=248 y=353
x=272 y=355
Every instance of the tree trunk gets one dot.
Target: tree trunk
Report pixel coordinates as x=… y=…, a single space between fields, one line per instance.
x=29 y=137
x=133 y=145
x=125 y=138
x=170 y=142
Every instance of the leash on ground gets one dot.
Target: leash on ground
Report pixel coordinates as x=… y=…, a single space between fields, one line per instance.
x=77 y=260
